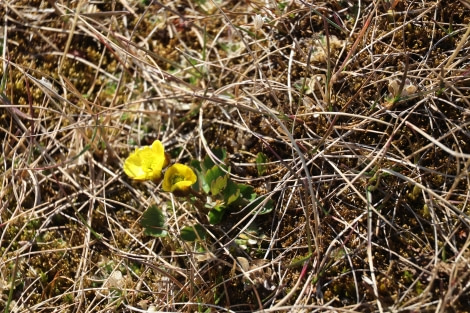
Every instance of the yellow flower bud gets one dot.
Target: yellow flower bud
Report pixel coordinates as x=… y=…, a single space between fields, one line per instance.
x=146 y=163
x=178 y=179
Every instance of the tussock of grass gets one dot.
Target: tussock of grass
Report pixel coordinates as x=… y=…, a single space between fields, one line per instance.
x=362 y=113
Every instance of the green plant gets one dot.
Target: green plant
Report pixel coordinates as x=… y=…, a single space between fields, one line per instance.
x=206 y=186
x=222 y=193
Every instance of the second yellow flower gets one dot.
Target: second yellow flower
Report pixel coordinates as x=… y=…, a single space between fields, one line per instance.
x=178 y=179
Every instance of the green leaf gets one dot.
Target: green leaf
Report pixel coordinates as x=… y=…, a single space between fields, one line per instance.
x=191 y=233
x=300 y=260
x=205 y=186
x=207 y=163
x=261 y=159
x=219 y=153
x=215 y=215
x=219 y=184
x=265 y=209
x=231 y=192
x=153 y=222
x=195 y=164
x=201 y=180
x=251 y=200
x=247 y=192
x=213 y=173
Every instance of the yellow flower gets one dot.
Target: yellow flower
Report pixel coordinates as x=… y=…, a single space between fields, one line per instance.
x=146 y=163
x=178 y=179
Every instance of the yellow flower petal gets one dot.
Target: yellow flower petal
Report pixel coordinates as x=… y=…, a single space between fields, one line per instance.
x=178 y=178
x=146 y=163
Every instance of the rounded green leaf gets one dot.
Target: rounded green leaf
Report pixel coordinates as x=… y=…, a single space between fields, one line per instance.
x=215 y=215
x=261 y=159
x=191 y=233
x=153 y=221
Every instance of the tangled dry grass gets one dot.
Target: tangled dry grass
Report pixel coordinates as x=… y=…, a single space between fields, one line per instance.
x=361 y=107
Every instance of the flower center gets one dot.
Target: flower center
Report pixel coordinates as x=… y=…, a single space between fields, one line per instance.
x=176 y=179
